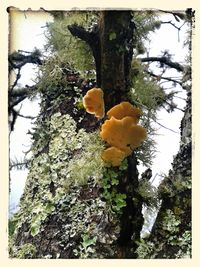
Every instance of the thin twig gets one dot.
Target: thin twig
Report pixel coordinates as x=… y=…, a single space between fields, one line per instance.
x=18 y=76
x=169 y=22
x=163 y=78
x=18 y=164
x=174 y=107
x=26 y=117
x=180 y=97
x=178 y=28
x=165 y=126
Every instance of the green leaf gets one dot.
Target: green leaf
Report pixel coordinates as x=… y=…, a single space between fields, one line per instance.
x=87 y=241
x=35 y=228
x=112 y=36
x=114 y=182
x=50 y=208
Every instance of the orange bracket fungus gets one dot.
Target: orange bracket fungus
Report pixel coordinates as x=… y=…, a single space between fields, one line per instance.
x=113 y=155
x=94 y=103
x=124 y=109
x=123 y=134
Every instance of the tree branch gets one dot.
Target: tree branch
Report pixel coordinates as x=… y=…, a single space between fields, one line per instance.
x=18 y=165
x=18 y=76
x=16 y=102
x=18 y=95
x=19 y=92
x=177 y=15
x=17 y=59
x=92 y=39
x=26 y=116
x=15 y=97
x=164 y=78
x=80 y=32
x=165 y=127
x=164 y=60
x=174 y=25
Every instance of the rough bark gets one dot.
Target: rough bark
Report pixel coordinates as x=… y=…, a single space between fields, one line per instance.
x=64 y=230
x=171 y=233
x=64 y=218
x=112 y=45
x=116 y=36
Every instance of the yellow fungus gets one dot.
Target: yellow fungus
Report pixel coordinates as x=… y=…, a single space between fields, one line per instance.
x=113 y=155
x=123 y=134
x=124 y=109
x=94 y=103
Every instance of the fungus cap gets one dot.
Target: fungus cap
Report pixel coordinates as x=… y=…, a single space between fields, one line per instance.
x=94 y=103
x=113 y=155
x=124 y=109
x=123 y=134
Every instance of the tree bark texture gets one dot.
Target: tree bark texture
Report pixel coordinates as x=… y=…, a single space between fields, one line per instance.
x=175 y=192
x=56 y=220
x=64 y=232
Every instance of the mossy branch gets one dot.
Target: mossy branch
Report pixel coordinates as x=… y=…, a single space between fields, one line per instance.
x=92 y=39
x=164 y=60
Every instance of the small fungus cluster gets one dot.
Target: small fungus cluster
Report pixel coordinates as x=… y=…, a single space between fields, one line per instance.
x=94 y=103
x=120 y=130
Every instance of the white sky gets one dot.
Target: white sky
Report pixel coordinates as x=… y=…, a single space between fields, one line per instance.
x=30 y=35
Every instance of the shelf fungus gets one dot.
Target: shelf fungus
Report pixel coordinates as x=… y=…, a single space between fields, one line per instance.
x=124 y=109
x=113 y=155
x=94 y=103
x=123 y=134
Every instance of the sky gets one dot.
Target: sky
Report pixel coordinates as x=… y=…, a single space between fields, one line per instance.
x=27 y=32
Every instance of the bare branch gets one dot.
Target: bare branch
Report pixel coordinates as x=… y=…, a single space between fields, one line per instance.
x=26 y=116
x=164 y=60
x=91 y=37
x=171 y=23
x=18 y=165
x=174 y=25
x=16 y=102
x=164 y=126
x=17 y=59
x=80 y=32
x=177 y=15
x=161 y=77
x=174 y=107
x=18 y=76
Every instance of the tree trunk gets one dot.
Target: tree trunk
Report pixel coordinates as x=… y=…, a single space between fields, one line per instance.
x=116 y=38
x=76 y=221
x=171 y=233
x=72 y=206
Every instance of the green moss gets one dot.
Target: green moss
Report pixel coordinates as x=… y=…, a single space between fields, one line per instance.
x=148 y=193
x=12 y=226
x=145 y=248
x=26 y=251
x=87 y=247
x=73 y=158
x=78 y=53
x=170 y=222
x=178 y=183
x=87 y=163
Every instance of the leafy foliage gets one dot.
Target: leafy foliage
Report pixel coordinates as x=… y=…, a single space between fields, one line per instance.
x=116 y=201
